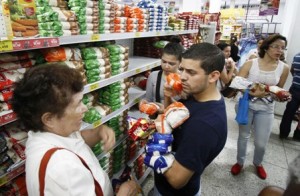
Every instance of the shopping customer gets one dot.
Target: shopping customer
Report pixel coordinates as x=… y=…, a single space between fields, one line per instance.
x=293 y=105
x=229 y=68
x=48 y=100
x=234 y=54
x=269 y=70
x=203 y=135
x=253 y=53
x=170 y=60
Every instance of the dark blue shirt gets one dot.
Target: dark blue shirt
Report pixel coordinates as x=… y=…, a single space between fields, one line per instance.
x=296 y=71
x=197 y=143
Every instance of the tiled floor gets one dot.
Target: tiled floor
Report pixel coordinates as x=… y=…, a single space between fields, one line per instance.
x=217 y=179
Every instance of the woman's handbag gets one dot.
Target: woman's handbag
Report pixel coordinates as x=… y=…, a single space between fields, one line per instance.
x=243 y=107
x=227 y=91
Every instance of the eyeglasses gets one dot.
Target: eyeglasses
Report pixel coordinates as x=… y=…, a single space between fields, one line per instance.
x=278 y=47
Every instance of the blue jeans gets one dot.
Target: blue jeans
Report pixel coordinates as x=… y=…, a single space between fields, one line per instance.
x=156 y=193
x=290 y=110
x=260 y=118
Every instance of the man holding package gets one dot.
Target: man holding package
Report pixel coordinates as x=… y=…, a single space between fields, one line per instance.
x=201 y=137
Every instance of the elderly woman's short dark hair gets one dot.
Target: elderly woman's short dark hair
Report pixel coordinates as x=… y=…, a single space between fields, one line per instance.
x=45 y=88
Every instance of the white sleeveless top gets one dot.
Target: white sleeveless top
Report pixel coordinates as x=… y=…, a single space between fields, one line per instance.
x=265 y=77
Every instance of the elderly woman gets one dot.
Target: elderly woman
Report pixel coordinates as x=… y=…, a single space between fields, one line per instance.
x=48 y=100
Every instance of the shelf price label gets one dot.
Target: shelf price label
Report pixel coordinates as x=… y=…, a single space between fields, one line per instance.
x=157 y=33
x=97 y=123
x=137 y=100
x=3 y=180
x=95 y=37
x=137 y=34
x=138 y=71
x=94 y=86
x=6 y=45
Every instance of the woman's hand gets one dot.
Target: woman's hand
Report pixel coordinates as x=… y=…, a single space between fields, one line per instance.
x=107 y=136
x=129 y=188
x=258 y=91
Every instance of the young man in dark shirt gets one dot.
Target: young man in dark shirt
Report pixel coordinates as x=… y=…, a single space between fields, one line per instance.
x=202 y=137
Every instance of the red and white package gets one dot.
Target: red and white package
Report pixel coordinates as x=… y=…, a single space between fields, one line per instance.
x=19 y=56
x=17 y=65
x=7 y=78
x=5 y=106
x=6 y=94
x=173 y=80
x=14 y=134
x=17 y=152
x=175 y=114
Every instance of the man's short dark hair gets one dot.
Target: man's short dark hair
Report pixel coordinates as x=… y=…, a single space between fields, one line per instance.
x=45 y=88
x=210 y=57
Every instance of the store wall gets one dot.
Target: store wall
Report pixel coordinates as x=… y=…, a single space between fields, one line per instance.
x=291 y=30
x=190 y=5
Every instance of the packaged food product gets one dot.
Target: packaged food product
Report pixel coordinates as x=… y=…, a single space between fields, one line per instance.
x=16 y=56
x=140 y=129
x=149 y=108
x=16 y=65
x=62 y=54
x=5 y=106
x=7 y=78
x=23 y=18
x=94 y=53
x=95 y=63
x=6 y=94
x=173 y=80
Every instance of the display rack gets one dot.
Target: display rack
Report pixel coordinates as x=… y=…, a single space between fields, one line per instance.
x=136 y=66
x=47 y=42
x=134 y=97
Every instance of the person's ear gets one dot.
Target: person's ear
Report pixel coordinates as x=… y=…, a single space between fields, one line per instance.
x=214 y=76
x=48 y=119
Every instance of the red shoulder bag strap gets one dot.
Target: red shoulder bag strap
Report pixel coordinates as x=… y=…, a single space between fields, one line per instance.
x=43 y=166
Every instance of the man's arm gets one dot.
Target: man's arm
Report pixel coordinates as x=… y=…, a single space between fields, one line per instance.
x=178 y=175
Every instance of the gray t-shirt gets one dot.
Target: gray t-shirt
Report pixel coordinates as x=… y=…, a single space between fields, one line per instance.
x=151 y=87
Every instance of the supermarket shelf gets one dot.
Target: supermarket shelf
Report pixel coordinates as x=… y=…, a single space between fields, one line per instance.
x=135 y=95
x=136 y=66
x=146 y=173
x=100 y=156
x=7 y=117
x=47 y=42
x=139 y=153
x=13 y=173
x=118 y=36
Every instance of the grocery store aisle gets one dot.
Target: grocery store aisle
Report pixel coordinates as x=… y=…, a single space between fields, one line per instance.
x=217 y=179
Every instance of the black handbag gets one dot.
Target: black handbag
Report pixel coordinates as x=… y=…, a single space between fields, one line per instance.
x=227 y=91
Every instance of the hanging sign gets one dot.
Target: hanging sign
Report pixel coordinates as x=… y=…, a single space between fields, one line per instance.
x=269 y=7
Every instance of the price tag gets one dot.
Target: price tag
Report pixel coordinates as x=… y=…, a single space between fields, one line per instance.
x=97 y=123
x=137 y=34
x=148 y=67
x=94 y=86
x=157 y=33
x=95 y=37
x=138 y=71
x=137 y=100
x=6 y=45
x=3 y=180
